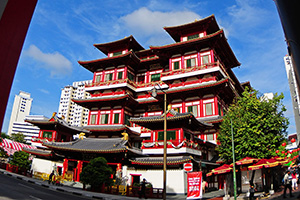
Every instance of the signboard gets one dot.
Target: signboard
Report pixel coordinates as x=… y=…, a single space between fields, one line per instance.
x=188 y=167
x=194 y=185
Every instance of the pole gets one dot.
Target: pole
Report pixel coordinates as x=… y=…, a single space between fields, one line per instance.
x=233 y=157
x=165 y=148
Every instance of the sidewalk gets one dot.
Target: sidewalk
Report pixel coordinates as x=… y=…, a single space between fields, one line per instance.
x=76 y=188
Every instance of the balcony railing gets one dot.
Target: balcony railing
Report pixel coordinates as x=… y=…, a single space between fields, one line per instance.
x=146 y=144
x=192 y=69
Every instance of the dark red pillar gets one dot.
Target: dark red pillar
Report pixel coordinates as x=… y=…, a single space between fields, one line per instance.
x=15 y=17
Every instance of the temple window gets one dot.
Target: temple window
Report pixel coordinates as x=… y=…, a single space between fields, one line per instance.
x=98 y=78
x=120 y=75
x=208 y=108
x=176 y=65
x=108 y=77
x=126 y=120
x=104 y=118
x=93 y=119
x=193 y=109
x=171 y=135
x=205 y=59
x=47 y=134
x=155 y=77
x=210 y=137
x=116 y=118
x=190 y=37
x=117 y=53
x=190 y=62
x=130 y=76
x=141 y=79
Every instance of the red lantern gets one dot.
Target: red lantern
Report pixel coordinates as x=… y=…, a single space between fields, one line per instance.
x=277 y=151
x=293 y=140
x=284 y=144
x=283 y=152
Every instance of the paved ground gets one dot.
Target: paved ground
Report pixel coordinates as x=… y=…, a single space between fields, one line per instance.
x=74 y=188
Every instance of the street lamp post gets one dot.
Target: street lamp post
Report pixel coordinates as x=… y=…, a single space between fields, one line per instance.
x=154 y=94
x=233 y=157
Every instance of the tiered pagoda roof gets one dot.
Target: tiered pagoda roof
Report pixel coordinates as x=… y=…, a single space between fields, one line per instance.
x=56 y=123
x=216 y=40
x=92 y=145
x=128 y=58
x=207 y=24
x=174 y=120
x=126 y=43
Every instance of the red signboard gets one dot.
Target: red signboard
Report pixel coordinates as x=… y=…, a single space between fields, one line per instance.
x=194 y=185
x=188 y=167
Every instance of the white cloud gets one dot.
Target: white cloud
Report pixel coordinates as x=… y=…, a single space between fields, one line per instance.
x=44 y=91
x=147 y=23
x=56 y=63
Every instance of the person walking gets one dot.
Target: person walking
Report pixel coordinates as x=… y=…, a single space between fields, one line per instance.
x=287 y=184
x=294 y=180
x=251 y=192
x=51 y=177
x=143 y=189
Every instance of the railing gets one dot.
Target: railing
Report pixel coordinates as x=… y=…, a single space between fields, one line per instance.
x=148 y=144
x=192 y=69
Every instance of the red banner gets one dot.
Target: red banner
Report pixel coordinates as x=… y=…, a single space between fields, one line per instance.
x=194 y=185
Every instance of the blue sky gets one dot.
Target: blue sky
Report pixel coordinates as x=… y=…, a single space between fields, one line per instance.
x=63 y=32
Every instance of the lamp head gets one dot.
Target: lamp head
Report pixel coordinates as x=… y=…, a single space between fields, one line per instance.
x=154 y=92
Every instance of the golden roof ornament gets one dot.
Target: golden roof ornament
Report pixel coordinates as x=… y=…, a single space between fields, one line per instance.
x=81 y=135
x=125 y=136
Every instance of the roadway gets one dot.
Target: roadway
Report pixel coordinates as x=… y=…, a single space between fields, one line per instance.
x=14 y=189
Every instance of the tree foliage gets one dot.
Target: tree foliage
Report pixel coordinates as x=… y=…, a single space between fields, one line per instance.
x=21 y=159
x=96 y=173
x=258 y=125
x=18 y=137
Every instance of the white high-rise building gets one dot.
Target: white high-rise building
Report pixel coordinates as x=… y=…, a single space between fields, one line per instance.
x=21 y=108
x=74 y=114
x=294 y=90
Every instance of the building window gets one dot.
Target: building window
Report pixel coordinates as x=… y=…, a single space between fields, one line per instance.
x=190 y=37
x=171 y=135
x=190 y=63
x=155 y=77
x=104 y=119
x=126 y=120
x=117 y=53
x=108 y=77
x=98 y=78
x=93 y=119
x=130 y=76
x=120 y=75
x=116 y=118
x=205 y=59
x=141 y=79
x=193 y=109
x=210 y=137
x=47 y=134
x=208 y=109
x=175 y=65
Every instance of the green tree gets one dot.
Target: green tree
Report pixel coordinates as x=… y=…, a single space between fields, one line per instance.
x=4 y=136
x=96 y=173
x=18 y=137
x=259 y=127
x=21 y=159
x=3 y=153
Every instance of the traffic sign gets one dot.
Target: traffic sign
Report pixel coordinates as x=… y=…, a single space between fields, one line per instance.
x=188 y=167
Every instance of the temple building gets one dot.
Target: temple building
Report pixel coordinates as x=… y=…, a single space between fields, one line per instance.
x=126 y=123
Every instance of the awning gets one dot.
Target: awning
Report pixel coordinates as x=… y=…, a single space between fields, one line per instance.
x=220 y=170
x=246 y=160
x=267 y=163
x=11 y=146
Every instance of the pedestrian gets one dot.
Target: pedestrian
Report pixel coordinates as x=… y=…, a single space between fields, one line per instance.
x=294 y=180
x=204 y=185
x=50 y=177
x=143 y=189
x=251 y=191
x=287 y=184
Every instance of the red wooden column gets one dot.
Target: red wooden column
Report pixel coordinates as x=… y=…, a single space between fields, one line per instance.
x=79 y=170
x=65 y=165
